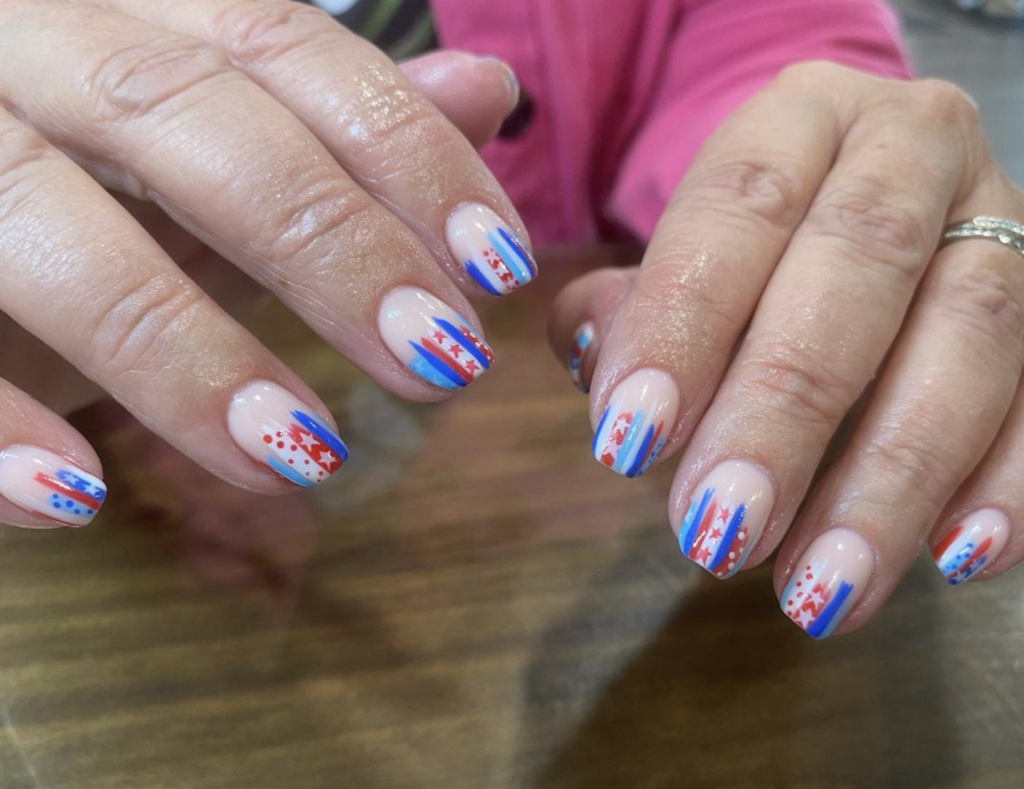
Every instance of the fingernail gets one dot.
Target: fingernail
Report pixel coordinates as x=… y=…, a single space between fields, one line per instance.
x=829 y=580
x=432 y=339
x=277 y=429
x=580 y=342
x=971 y=544
x=726 y=517
x=510 y=75
x=491 y=252
x=47 y=485
x=640 y=415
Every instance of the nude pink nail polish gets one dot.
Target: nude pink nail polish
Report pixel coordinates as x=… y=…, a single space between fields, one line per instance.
x=726 y=517
x=50 y=486
x=829 y=579
x=971 y=544
x=641 y=414
x=277 y=429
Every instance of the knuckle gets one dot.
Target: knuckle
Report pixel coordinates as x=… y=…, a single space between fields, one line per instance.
x=21 y=151
x=258 y=30
x=748 y=188
x=136 y=80
x=986 y=298
x=874 y=224
x=795 y=385
x=946 y=104
x=909 y=452
x=303 y=228
x=140 y=322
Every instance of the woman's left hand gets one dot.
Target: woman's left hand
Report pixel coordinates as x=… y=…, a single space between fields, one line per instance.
x=795 y=267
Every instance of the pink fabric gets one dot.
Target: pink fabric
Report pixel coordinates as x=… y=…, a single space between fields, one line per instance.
x=627 y=90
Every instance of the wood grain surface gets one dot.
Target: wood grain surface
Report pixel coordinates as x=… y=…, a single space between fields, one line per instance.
x=476 y=603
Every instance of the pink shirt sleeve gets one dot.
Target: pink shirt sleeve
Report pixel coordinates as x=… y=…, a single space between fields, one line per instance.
x=627 y=90
x=723 y=52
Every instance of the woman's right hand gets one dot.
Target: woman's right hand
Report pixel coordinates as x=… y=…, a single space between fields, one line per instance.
x=275 y=140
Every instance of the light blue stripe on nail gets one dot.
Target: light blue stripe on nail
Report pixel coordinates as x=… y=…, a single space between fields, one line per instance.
x=288 y=472
x=515 y=265
x=627 y=444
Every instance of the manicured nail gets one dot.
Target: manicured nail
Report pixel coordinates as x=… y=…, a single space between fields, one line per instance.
x=971 y=545
x=432 y=339
x=726 y=517
x=829 y=580
x=276 y=429
x=511 y=76
x=47 y=485
x=640 y=415
x=491 y=252
x=580 y=342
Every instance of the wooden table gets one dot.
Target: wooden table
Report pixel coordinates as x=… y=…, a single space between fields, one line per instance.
x=477 y=604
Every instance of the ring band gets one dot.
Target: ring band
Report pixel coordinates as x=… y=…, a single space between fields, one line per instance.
x=1004 y=231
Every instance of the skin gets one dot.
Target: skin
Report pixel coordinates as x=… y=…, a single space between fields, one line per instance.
x=159 y=158
x=795 y=266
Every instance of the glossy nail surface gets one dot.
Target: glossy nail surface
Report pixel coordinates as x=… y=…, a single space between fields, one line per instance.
x=47 y=485
x=971 y=544
x=726 y=517
x=277 y=429
x=580 y=342
x=828 y=581
x=490 y=251
x=432 y=339
x=637 y=422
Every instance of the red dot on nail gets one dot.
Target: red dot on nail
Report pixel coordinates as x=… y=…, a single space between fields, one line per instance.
x=808 y=567
x=293 y=447
x=280 y=444
x=789 y=602
x=799 y=594
x=799 y=583
x=809 y=576
x=307 y=462
x=291 y=461
x=279 y=434
x=268 y=439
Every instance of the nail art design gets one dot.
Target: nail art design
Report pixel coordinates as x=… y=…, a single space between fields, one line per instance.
x=433 y=340
x=636 y=424
x=275 y=428
x=971 y=545
x=491 y=252
x=829 y=580
x=726 y=517
x=47 y=485
x=580 y=343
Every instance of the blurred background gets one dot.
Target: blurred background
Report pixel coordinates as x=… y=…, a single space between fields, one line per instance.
x=478 y=604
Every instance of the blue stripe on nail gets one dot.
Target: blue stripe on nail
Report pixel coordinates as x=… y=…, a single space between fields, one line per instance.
x=287 y=472
x=634 y=469
x=698 y=516
x=323 y=433
x=600 y=428
x=821 y=626
x=481 y=280
x=438 y=365
x=456 y=332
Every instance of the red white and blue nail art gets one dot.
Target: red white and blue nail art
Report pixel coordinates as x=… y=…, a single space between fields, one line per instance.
x=277 y=429
x=302 y=450
x=433 y=340
x=47 y=485
x=580 y=342
x=726 y=516
x=636 y=424
x=827 y=583
x=971 y=545
x=491 y=252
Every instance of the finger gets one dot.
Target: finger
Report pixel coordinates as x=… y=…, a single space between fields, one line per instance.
x=475 y=94
x=241 y=173
x=49 y=475
x=84 y=278
x=823 y=326
x=395 y=144
x=978 y=536
x=580 y=317
x=715 y=248
x=940 y=401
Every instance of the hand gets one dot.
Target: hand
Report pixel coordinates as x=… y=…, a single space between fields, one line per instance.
x=794 y=270
x=258 y=132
